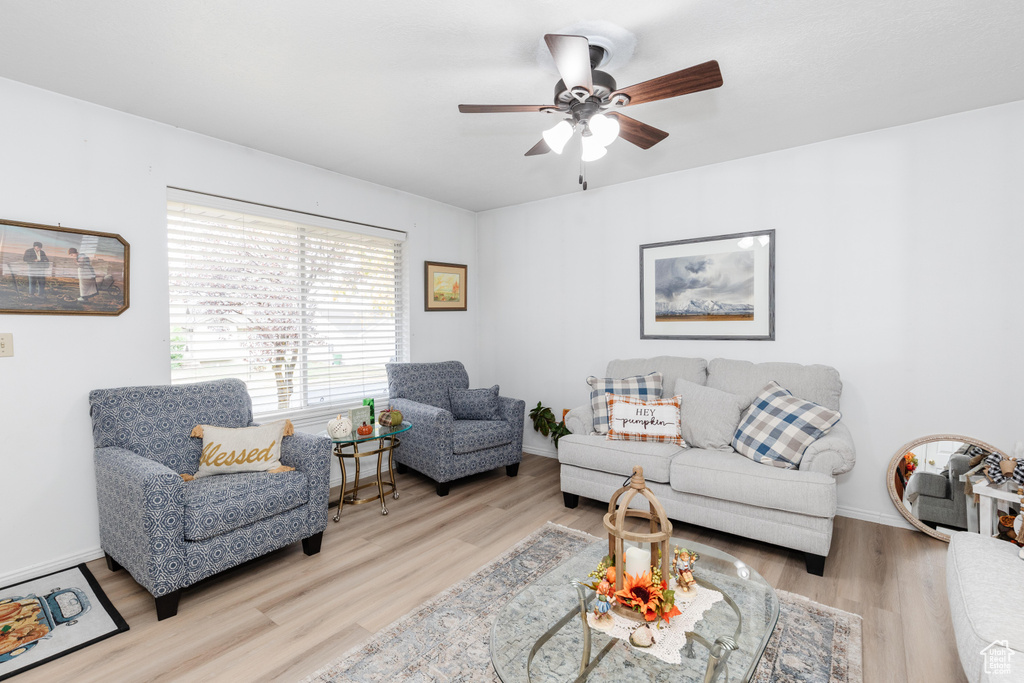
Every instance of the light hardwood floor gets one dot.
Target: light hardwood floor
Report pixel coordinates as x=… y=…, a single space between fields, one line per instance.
x=286 y=615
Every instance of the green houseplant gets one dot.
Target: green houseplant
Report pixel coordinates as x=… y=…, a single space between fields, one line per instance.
x=544 y=422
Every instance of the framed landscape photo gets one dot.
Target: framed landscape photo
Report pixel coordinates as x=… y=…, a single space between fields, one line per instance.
x=445 y=286
x=49 y=270
x=709 y=288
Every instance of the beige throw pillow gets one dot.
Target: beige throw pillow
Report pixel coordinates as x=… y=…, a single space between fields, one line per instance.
x=245 y=449
x=709 y=416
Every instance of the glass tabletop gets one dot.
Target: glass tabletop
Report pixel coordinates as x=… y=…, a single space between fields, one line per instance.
x=541 y=604
x=379 y=432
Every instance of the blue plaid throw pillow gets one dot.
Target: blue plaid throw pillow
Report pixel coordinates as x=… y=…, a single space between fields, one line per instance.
x=646 y=387
x=778 y=427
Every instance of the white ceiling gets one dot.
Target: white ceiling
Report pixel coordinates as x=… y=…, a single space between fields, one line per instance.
x=370 y=89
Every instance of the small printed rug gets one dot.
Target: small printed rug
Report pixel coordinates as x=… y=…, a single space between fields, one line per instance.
x=447 y=638
x=47 y=617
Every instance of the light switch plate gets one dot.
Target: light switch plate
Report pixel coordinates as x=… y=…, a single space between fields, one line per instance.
x=6 y=344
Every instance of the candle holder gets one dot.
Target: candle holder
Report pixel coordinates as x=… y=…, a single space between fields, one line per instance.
x=657 y=539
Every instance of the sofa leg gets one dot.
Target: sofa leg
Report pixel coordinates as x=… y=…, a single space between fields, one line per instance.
x=112 y=564
x=815 y=564
x=442 y=488
x=571 y=499
x=311 y=545
x=400 y=468
x=167 y=605
x=512 y=470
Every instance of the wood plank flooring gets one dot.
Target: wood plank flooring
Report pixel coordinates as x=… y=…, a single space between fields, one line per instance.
x=282 y=617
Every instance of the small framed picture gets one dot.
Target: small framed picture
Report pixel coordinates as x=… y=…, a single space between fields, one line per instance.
x=444 y=287
x=359 y=417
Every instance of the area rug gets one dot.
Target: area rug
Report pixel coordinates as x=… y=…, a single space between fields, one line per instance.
x=447 y=638
x=50 y=616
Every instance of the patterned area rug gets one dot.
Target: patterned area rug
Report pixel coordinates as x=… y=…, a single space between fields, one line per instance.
x=447 y=638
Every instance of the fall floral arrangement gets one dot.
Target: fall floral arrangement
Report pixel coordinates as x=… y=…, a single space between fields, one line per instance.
x=647 y=593
x=911 y=462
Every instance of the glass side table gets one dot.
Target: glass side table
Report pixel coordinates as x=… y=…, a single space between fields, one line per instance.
x=387 y=440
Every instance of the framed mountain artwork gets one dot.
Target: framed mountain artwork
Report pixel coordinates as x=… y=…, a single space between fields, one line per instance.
x=709 y=288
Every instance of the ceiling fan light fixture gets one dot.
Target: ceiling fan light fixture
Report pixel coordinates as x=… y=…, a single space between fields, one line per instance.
x=557 y=136
x=592 y=148
x=604 y=128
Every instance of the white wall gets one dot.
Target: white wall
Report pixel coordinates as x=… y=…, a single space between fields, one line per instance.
x=897 y=259
x=82 y=166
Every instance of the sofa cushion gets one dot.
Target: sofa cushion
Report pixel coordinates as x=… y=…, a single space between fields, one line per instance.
x=817 y=383
x=732 y=477
x=595 y=452
x=983 y=611
x=217 y=505
x=475 y=404
x=778 y=427
x=476 y=435
x=644 y=387
x=672 y=368
x=709 y=416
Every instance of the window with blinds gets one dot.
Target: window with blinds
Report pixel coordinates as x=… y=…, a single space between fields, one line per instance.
x=305 y=310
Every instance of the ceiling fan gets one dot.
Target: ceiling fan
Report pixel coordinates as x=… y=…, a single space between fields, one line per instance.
x=584 y=96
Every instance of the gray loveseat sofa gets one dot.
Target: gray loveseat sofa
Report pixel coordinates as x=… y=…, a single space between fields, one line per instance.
x=721 y=489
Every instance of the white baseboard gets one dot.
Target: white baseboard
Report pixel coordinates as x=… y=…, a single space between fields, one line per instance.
x=545 y=452
x=885 y=518
x=50 y=566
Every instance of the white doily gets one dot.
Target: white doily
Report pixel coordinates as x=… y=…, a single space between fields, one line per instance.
x=671 y=637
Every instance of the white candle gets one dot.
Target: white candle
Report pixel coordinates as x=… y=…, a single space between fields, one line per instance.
x=638 y=561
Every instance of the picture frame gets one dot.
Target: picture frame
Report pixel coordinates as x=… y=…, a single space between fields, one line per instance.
x=53 y=270
x=360 y=415
x=718 y=288
x=444 y=286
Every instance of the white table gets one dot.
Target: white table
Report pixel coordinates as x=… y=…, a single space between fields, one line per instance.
x=992 y=500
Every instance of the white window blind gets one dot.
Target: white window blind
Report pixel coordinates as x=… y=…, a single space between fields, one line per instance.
x=305 y=310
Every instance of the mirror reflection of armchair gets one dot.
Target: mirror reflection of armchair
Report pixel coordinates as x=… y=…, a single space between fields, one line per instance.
x=938 y=498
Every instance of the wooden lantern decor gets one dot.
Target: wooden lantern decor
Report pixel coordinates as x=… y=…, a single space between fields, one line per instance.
x=657 y=540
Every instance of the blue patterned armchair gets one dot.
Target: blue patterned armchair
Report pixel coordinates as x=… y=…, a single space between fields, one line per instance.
x=440 y=446
x=169 y=533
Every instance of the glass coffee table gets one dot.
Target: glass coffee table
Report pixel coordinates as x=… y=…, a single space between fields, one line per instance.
x=540 y=636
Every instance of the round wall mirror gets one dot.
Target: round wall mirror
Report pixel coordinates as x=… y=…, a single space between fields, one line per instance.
x=927 y=479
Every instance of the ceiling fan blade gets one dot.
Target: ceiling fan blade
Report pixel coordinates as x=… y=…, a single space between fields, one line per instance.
x=701 y=77
x=540 y=148
x=640 y=134
x=572 y=59
x=497 y=108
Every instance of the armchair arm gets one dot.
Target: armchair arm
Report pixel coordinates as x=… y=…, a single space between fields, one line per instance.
x=141 y=506
x=311 y=455
x=513 y=411
x=580 y=420
x=927 y=484
x=832 y=454
x=430 y=443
